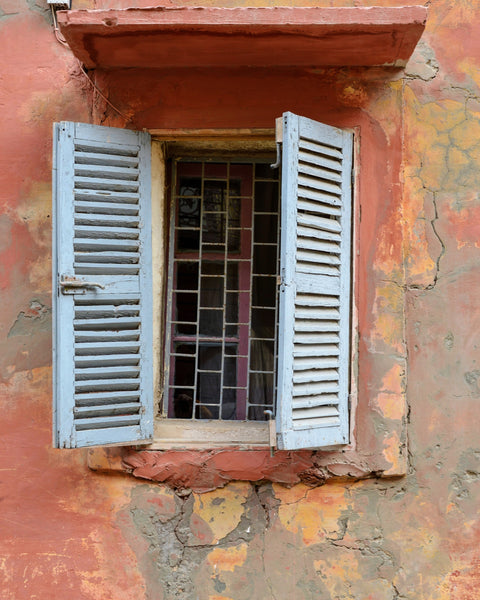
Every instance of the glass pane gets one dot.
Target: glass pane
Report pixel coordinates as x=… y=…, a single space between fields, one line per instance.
x=184 y=371
x=183 y=404
x=188 y=240
x=232 y=308
x=229 y=404
x=211 y=291
x=262 y=355
x=234 y=238
x=235 y=187
x=266 y=196
x=184 y=329
x=257 y=413
x=265 y=229
x=214 y=193
x=208 y=388
x=231 y=331
x=207 y=412
x=188 y=212
x=211 y=267
x=187 y=275
x=234 y=212
x=184 y=348
x=231 y=349
x=263 y=323
x=211 y=323
x=218 y=249
x=190 y=186
x=210 y=357
x=213 y=228
x=232 y=275
x=230 y=371
x=264 y=291
x=265 y=259
x=265 y=171
x=216 y=170
x=261 y=388
x=185 y=306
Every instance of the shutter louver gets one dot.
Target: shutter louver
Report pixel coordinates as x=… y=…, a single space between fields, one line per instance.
x=313 y=367
x=103 y=337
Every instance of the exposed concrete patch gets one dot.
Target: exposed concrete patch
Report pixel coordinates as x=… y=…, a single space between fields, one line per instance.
x=36 y=319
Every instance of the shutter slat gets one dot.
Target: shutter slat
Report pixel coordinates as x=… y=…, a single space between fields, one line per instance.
x=318 y=222
x=115 y=233
x=106 y=196
x=95 y=158
x=315 y=158
x=313 y=356
x=322 y=149
x=94 y=245
x=105 y=398
x=104 y=381
x=123 y=208
x=106 y=172
x=318 y=207
x=112 y=185
x=109 y=409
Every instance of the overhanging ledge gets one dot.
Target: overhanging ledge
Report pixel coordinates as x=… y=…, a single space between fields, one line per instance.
x=238 y=37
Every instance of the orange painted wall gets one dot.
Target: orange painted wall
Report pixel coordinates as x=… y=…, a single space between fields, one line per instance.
x=68 y=531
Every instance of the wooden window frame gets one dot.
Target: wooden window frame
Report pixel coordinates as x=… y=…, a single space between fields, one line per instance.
x=171 y=433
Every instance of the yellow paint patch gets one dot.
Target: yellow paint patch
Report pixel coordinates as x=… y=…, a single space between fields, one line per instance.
x=391 y=406
x=222 y=509
x=391 y=452
x=388 y=312
x=315 y=515
x=226 y=559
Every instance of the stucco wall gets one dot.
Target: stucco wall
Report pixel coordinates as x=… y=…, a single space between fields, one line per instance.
x=68 y=531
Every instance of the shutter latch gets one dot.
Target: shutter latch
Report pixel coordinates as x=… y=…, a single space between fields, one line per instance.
x=71 y=285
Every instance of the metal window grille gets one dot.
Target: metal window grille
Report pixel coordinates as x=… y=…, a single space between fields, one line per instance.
x=222 y=291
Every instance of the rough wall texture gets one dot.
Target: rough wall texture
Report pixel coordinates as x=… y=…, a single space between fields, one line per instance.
x=67 y=531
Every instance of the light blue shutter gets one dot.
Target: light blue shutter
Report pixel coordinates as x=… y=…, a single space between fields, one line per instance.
x=103 y=390
x=314 y=323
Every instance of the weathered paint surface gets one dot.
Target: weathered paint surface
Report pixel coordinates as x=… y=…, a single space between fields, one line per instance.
x=69 y=531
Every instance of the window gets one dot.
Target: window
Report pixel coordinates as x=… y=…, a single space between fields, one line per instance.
x=228 y=320
x=222 y=334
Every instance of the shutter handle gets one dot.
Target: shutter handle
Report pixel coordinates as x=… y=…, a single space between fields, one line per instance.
x=70 y=285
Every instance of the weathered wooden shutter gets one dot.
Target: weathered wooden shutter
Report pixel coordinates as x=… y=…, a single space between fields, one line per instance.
x=102 y=295
x=314 y=323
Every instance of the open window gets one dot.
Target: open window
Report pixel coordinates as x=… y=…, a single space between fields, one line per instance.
x=258 y=301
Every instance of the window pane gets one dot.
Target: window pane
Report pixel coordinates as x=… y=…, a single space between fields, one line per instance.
x=265 y=228
x=188 y=212
x=261 y=388
x=208 y=388
x=232 y=308
x=264 y=290
x=210 y=267
x=213 y=228
x=214 y=195
x=230 y=372
x=211 y=323
x=186 y=307
x=211 y=291
x=184 y=371
x=262 y=355
x=263 y=323
x=188 y=240
x=210 y=357
x=229 y=404
x=266 y=196
x=232 y=275
x=265 y=260
x=187 y=275
x=183 y=404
